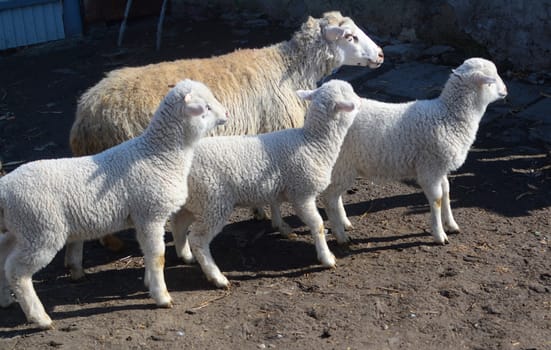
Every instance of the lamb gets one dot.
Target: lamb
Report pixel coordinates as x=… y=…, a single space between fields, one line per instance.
x=138 y=183
x=423 y=140
x=288 y=165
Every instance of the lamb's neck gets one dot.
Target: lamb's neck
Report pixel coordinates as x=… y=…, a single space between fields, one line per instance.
x=462 y=104
x=462 y=112
x=307 y=63
x=325 y=139
x=167 y=135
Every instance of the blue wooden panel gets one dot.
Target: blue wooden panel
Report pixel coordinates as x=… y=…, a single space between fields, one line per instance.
x=31 y=24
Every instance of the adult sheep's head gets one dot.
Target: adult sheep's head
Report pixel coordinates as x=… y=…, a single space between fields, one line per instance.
x=353 y=46
x=481 y=75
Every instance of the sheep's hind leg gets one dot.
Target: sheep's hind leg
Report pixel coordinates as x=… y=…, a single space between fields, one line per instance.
x=336 y=214
x=151 y=239
x=308 y=213
x=7 y=242
x=279 y=224
x=180 y=223
x=201 y=235
x=73 y=259
x=447 y=217
x=19 y=269
x=433 y=192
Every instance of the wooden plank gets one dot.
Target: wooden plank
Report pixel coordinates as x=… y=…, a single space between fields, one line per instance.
x=31 y=24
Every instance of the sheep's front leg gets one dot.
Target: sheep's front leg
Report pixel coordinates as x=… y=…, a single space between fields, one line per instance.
x=202 y=233
x=278 y=223
x=433 y=192
x=151 y=239
x=73 y=259
x=447 y=217
x=180 y=223
x=308 y=213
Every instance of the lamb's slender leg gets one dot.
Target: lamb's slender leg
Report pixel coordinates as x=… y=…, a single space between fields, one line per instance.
x=278 y=223
x=151 y=239
x=308 y=213
x=19 y=269
x=7 y=242
x=342 y=213
x=202 y=233
x=180 y=223
x=447 y=217
x=73 y=259
x=433 y=192
x=336 y=214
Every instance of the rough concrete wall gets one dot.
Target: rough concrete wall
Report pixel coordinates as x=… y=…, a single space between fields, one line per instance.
x=512 y=32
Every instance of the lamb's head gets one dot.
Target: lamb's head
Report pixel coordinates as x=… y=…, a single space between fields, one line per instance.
x=335 y=100
x=352 y=45
x=481 y=75
x=196 y=105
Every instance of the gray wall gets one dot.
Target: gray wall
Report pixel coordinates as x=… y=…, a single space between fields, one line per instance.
x=516 y=33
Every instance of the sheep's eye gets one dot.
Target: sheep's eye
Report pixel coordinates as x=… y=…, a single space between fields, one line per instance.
x=351 y=38
x=208 y=108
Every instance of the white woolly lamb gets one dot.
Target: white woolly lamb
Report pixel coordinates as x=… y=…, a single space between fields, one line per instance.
x=139 y=184
x=291 y=165
x=423 y=140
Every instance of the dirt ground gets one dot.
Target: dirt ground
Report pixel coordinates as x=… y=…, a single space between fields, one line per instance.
x=490 y=288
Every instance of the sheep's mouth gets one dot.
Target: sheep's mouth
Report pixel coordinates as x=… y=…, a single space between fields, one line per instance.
x=374 y=64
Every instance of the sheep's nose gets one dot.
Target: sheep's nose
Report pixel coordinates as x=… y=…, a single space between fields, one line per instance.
x=381 y=55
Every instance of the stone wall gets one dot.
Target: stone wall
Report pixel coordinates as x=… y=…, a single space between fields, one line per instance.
x=514 y=33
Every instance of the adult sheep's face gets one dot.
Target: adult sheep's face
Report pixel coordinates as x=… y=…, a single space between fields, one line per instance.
x=482 y=75
x=354 y=46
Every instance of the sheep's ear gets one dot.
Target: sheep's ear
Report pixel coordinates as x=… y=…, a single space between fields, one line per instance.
x=481 y=78
x=306 y=94
x=344 y=106
x=195 y=109
x=333 y=33
x=187 y=98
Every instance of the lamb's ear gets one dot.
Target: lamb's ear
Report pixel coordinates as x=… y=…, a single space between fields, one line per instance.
x=194 y=109
x=344 y=106
x=187 y=98
x=481 y=78
x=306 y=94
x=333 y=33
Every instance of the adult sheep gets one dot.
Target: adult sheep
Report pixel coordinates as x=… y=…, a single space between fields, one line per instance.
x=256 y=85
